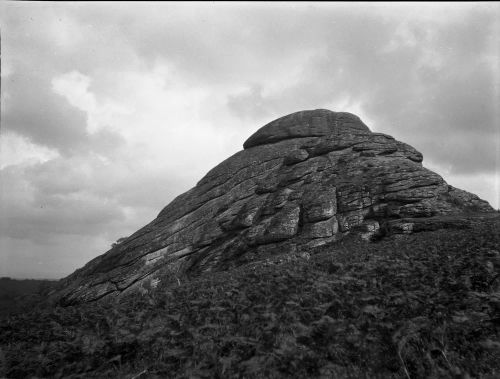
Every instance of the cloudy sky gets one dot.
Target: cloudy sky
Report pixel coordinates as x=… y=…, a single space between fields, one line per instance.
x=111 y=110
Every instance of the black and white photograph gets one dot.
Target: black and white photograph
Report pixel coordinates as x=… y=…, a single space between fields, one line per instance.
x=249 y=189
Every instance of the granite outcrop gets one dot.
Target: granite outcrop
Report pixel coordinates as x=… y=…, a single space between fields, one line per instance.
x=303 y=180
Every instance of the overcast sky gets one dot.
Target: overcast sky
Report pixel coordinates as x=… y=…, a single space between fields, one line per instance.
x=110 y=110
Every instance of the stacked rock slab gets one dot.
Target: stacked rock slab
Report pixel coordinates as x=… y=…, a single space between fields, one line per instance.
x=303 y=180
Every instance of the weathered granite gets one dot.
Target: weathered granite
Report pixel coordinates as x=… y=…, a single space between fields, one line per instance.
x=303 y=180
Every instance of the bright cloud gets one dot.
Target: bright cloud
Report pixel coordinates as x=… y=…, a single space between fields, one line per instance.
x=18 y=150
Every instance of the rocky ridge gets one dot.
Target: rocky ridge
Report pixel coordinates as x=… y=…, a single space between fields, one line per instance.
x=303 y=180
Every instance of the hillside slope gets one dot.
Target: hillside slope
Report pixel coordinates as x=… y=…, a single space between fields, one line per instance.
x=423 y=305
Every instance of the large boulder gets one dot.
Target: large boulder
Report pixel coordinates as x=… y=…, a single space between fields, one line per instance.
x=303 y=180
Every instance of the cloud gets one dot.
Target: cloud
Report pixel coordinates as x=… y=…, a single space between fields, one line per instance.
x=25 y=258
x=16 y=149
x=249 y=103
x=74 y=87
x=80 y=196
x=109 y=112
x=429 y=83
x=39 y=205
x=34 y=111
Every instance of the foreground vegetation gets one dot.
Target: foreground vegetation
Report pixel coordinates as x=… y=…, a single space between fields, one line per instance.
x=424 y=305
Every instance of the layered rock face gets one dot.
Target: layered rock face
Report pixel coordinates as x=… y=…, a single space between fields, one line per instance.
x=303 y=180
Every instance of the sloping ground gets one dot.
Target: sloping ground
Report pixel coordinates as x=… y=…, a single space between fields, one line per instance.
x=408 y=306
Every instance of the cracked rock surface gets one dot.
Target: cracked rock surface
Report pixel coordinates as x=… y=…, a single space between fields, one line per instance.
x=303 y=180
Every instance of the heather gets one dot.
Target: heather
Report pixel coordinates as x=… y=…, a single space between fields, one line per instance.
x=406 y=306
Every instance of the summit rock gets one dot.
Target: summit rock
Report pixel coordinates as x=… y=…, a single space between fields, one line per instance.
x=304 y=180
